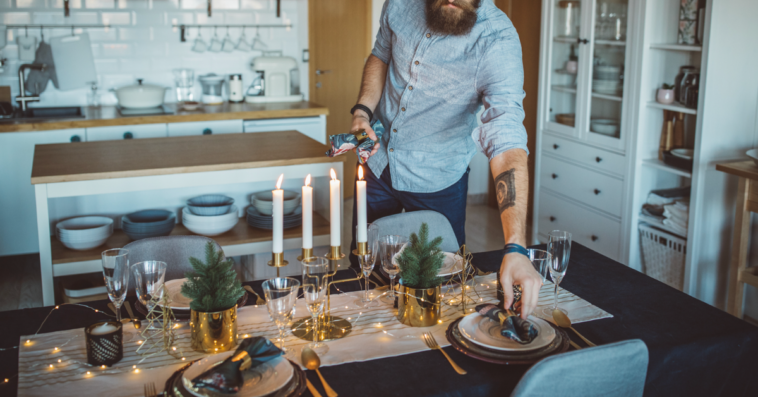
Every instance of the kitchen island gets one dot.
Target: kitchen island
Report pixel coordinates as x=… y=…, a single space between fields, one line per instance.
x=113 y=178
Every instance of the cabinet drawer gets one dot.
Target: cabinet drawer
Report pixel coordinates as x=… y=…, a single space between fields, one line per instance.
x=588 y=228
x=205 y=128
x=313 y=127
x=126 y=132
x=591 y=188
x=594 y=158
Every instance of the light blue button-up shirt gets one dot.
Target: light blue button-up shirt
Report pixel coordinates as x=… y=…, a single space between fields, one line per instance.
x=433 y=90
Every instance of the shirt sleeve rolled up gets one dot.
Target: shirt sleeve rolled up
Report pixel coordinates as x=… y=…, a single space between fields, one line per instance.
x=500 y=82
x=383 y=44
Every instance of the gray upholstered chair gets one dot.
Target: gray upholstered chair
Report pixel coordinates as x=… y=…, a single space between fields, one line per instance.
x=174 y=250
x=405 y=223
x=618 y=370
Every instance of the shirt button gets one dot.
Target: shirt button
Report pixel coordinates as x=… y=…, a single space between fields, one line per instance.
x=416 y=62
x=428 y=35
x=394 y=130
x=392 y=150
x=403 y=109
x=410 y=87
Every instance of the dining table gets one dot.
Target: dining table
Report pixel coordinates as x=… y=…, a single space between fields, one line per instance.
x=694 y=348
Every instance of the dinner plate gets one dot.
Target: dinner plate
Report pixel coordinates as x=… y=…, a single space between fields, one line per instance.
x=453 y=265
x=486 y=332
x=174 y=288
x=259 y=381
x=683 y=153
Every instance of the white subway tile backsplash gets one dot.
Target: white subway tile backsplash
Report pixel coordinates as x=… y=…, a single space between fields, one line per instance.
x=104 y=4
x=82 y=18
x=5 y=4
x=203 y=18
x=153 y=18
x=133 y=5
x=194 y=4
x=97 y=51
x=143 y=33
x=15 y=18
x=117 y=18
x=30 y=4
x=99 y=35
x=59 y=4
x=134 y=65
x=254 y=4
x=239 y=18
x=226 y=4
x=106 y=66
x=151 y=50
x=55 y=17
x=178 y=18
x=163 y=4
x=120 y=50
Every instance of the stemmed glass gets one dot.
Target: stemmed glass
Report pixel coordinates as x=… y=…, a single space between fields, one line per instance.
x=116 y=275
x=389 y=248
x=281 y=295
x=367 y=262
x=148 y=277
x=541 y=261
x=315 y=278
x=559 y=247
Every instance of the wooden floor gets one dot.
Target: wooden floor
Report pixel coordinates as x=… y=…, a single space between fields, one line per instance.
x=20 y=285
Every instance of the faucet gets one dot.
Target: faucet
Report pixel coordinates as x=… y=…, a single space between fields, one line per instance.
x=22 y=99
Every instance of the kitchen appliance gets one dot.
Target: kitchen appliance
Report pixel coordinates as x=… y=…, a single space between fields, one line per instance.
x=212 y=85
x=679 y=79
x=277 y=80
x=74 y=64
x=690 y=90
x=140 y=96
x=235 y=88
x=184 y=80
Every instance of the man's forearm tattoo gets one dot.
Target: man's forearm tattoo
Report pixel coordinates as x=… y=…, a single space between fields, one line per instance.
x=505 y=188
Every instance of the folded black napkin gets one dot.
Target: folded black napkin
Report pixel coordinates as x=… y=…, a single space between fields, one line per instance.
x=227 y=376
x=514 y=327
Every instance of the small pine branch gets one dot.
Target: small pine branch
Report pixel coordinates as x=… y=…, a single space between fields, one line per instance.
x=213 y=286
x=421 y=260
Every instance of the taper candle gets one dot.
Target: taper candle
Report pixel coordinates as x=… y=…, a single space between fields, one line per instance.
x=360 y=188
x=278 y=214
x=335 y=194
x=307 y=213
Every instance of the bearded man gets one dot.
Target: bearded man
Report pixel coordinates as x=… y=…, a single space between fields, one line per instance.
x=434 y=63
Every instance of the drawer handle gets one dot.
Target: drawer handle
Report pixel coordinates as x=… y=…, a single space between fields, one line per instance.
x=597 y=192
x=555 y=176
x=555 y=146
x=128 y=135
x=207 y=131
x=598 y=159
x=552 y=219
x=593 y=237
x=76 y=138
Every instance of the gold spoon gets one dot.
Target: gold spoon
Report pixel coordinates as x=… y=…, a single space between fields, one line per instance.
x=564 y=322
x=311 y=361
x=258 y=301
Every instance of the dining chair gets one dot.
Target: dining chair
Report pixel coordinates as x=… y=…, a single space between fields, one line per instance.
x=405 y=223
x=174 y=250
x=618 y=369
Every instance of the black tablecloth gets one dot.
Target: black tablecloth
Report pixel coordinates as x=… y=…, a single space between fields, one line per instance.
x=695 y=349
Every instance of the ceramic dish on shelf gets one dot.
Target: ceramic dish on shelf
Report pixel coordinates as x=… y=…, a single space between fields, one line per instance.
x=148 y=223
x=210 y=225
x=263 y=202
x=683 y=153
x=753 y=154
x=84 y=233
x=607 y=127
x=210 y=204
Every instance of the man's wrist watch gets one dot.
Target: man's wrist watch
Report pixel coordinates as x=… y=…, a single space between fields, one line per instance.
x=510 y=248
x=365 y=109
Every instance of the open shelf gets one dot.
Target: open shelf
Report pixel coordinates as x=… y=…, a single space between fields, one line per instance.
x=676 y=47
x=563 y=88
x=656 y=163
x=673 y=106
x=611 y=42
x=241 y=234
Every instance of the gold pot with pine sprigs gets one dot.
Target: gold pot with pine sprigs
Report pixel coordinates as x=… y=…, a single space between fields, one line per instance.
x=419 y=302
x=214 y=289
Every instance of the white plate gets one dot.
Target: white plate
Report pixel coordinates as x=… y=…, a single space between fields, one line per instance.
x=485 y=332
x=453 y=264
x=683 y=153
x=178 y=301
x=259 y=381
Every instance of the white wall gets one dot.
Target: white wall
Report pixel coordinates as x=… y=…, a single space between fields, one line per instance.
x=142 y=43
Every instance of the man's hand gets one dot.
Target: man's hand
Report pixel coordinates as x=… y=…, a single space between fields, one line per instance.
x=361 y=122
x=517 y=269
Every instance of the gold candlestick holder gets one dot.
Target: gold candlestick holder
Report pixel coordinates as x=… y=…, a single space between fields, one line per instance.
x=307 y=254
x=335 y=253
x=277 y=261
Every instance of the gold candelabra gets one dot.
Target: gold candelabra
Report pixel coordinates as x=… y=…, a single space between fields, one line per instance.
x=277 y=261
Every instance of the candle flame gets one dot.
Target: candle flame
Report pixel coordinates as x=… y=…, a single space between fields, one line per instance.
x=334 y=175
x=279 y=182
x=308 y=180
x=360 y=172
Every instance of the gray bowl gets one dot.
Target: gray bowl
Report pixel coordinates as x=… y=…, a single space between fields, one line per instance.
x=148 y=218
x=210 y=204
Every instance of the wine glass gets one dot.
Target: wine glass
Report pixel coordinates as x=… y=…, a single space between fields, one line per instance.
x=389 y=248
x=559 y=247
x=367 y=262
x=281 y=295
x=315 y=278
x=541 y=261
x=116 y=275
x=148 y=277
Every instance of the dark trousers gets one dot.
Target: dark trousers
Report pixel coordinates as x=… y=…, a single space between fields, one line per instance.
x=382 y=200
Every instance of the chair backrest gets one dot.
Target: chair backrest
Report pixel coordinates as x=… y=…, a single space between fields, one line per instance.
x=174 y=250
x=618 y=370
x=405 y=223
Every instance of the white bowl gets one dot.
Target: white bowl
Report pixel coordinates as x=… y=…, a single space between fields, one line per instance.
x=86 y=245
x=608 y=127
x=86 y=228
x=210 y=230
x=231 y=215
x=753 y=154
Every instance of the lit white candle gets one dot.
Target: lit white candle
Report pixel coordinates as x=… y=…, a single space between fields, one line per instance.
x=103 y=329
x=278 y=214
x=360 y=187
x=307 y=213
x=335 y=194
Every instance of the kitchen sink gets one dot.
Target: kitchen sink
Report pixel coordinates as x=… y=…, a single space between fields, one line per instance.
x=66 y=112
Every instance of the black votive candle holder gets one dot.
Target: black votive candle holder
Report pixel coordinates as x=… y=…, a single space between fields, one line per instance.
x=104 y=349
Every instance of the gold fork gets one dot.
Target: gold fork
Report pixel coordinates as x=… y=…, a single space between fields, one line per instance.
x=258 y=300
x=150 y=390
x=432 y=343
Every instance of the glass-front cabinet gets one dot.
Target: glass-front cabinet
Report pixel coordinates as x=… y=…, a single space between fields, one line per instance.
x=587 y=56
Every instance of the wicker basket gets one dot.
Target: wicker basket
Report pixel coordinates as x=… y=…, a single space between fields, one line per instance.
x=662 y=255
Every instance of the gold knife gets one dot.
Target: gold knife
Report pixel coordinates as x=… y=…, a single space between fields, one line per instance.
x=311 y=388
x=137 y=323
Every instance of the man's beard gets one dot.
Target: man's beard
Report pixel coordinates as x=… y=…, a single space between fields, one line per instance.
x=447 y=21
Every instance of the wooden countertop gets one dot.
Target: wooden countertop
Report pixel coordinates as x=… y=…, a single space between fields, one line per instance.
x=109 y=116
x=745 y=169
x=65 y=162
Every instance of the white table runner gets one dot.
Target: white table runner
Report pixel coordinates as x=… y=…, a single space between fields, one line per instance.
x=376 y=334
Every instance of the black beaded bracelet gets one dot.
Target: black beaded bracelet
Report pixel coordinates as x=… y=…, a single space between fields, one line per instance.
x=509 y=248
x=365 y=109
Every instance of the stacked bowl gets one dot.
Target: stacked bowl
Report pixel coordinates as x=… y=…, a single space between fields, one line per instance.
x=259 y=214
x=607 y=79
x=85 y=232
x=148 y=223
x=210 y=215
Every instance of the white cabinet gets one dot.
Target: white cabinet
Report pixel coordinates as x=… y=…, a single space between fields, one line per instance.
x=205 y=128
x=18 y=216
x=118 y=132
x=313 y=127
